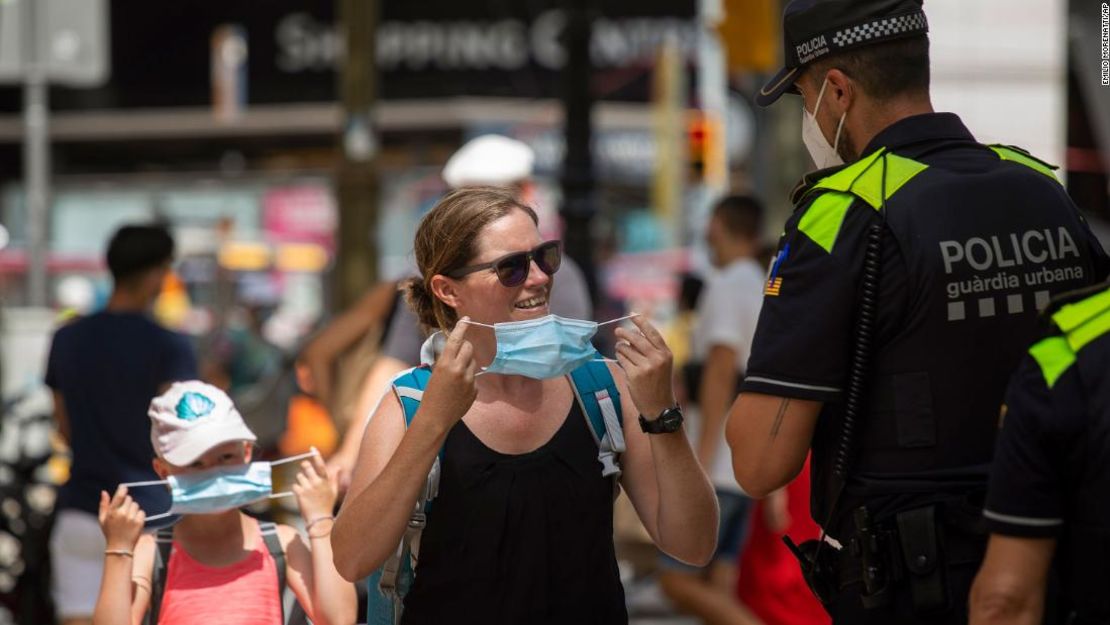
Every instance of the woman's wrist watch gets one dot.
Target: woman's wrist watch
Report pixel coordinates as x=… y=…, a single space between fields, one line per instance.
x=670 y=420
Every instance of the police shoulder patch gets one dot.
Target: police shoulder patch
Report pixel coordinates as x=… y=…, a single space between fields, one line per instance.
x=1079 y=319
x=1019 y=155
x=823 y=218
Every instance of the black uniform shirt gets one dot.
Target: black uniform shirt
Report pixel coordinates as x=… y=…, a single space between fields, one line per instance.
x=803 y=343
x=1040 y=451
x=1051 y=473
x=972 y=247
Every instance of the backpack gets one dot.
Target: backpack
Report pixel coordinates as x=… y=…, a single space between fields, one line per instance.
x=597 y=396
x=290 y=611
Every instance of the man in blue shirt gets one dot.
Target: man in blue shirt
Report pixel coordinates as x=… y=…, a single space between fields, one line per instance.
x=104 y=369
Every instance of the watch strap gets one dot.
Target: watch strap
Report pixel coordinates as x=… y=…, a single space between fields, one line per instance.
x=670 y=420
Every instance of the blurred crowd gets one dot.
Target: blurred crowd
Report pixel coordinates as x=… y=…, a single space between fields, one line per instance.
x=317 y=400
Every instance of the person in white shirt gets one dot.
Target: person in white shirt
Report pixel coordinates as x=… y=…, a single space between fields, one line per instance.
x=727 y=313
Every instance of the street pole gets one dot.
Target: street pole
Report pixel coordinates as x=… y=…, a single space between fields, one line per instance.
x=713 y=96
x=579 y=201
x=36 y=151
x=357 y=181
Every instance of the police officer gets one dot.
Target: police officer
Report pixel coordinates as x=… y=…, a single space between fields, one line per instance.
x=1050 y=480
x=904 y=290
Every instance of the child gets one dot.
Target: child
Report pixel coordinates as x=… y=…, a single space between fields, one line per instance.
x=220 y=569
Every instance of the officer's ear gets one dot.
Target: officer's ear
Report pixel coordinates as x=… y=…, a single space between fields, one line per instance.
x=841 y=90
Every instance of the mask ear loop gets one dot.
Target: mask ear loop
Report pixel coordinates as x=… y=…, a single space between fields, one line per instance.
x=604 y=323
x=839 y=127
x=310 y=454
x=153 y=517
x=484 y=325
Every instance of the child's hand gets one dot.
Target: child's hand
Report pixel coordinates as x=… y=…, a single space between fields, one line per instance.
x=316 y=489
x=121 y=519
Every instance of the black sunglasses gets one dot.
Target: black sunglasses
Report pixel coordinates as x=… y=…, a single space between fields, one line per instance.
x=512 y=269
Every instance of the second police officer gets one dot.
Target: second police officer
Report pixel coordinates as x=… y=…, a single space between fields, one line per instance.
x=903 y=294
x=1047 y=500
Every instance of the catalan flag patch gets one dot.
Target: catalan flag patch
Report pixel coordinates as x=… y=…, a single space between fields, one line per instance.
x=774 y=281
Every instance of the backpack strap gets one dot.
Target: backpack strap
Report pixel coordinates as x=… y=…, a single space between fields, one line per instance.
x=163 y=543
x=409 y=387
x=392 y=581
x=273 y=545
x=597 y=395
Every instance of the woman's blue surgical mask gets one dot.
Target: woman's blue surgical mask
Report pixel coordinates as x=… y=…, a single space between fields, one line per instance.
x=220 y=489
x=548 y=347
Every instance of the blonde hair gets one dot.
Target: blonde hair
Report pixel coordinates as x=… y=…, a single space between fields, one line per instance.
x=447 y=239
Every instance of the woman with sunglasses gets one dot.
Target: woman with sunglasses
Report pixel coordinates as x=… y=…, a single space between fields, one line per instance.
x=522 y=528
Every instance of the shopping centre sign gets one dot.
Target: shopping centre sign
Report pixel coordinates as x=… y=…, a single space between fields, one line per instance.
x=480 y=45
x=161 y=51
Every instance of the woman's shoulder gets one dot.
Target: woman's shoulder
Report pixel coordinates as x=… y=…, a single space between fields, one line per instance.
x=618 y=376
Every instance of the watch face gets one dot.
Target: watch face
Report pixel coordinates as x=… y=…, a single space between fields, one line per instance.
x=671 y=420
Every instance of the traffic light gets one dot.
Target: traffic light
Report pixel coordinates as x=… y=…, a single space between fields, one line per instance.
x=705 y=146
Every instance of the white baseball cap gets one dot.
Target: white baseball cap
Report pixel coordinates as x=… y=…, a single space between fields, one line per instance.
x=489 y=160
x=191 y=418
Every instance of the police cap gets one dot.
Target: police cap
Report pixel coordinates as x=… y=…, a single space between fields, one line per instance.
x=812 y=29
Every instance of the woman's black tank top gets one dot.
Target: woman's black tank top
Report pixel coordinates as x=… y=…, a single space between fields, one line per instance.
x=519 y=539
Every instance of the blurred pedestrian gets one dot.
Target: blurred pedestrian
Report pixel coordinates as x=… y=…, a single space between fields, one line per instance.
x=217 y=565
x=521 y=530
x=770 y=583
x=104 y=369
x=728 y=311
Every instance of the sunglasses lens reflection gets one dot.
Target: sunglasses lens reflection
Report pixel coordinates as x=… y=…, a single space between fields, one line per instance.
x=549 y=257
x=513 y=271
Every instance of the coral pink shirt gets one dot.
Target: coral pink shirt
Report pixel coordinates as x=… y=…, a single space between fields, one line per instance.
x=243 y=593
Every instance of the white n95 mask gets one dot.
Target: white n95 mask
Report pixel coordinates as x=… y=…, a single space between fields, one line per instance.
x=823 y=154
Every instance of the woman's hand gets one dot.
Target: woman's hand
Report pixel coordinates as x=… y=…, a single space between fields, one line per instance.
x=647 y=361
x=316 y=489
x=121 y=519
x=451 y=390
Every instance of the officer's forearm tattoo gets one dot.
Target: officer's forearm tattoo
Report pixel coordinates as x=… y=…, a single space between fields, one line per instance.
x=778 y=418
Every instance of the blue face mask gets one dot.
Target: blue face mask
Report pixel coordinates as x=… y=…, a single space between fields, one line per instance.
x=548 y=347
x=219 y=490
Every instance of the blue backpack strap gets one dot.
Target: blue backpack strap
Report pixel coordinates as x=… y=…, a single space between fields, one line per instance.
x=388 y=585
x=597 y=394
x=409 y=386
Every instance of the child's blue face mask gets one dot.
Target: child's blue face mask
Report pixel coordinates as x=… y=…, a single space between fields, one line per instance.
x=220 y=489
x=548 y=347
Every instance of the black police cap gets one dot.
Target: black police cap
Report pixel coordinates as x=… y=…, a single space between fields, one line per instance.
x=813 y=29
